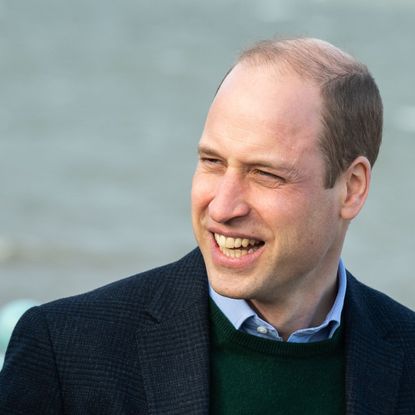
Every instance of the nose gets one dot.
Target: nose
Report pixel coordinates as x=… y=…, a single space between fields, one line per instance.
x=229 y=201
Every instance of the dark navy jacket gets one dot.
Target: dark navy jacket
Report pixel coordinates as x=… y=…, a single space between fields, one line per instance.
x=141 y=346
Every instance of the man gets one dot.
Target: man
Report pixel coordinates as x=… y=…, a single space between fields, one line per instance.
x=284 y=165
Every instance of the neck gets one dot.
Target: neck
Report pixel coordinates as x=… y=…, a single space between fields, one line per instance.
x=299 y=309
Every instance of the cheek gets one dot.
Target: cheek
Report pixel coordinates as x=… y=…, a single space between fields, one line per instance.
x=322 y=223
x=293 y=219
x=280 y=208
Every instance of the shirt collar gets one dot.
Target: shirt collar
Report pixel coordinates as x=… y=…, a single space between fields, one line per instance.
x=238 y=312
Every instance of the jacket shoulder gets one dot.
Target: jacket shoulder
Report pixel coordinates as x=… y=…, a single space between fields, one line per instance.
x=83 y=350
x=129 y=295
x=387 y=314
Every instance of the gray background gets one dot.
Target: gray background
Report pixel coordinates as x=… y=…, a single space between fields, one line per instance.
x=101 y=107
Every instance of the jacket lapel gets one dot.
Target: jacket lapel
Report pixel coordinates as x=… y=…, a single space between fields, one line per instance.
x=373 y=365
x=173 y=342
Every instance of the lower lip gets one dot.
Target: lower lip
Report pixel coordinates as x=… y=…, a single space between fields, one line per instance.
x=246 y=261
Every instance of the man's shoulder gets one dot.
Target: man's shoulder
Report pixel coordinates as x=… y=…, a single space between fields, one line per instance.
x=377 y=299
x=385 y=313
x=129 y=296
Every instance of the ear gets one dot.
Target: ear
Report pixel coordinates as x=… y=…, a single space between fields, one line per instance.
x=357 y=182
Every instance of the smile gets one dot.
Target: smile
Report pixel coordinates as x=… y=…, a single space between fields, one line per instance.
x=236 y=247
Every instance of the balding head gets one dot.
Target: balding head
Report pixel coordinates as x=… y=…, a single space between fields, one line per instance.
x=352 y=108
x=311 y=59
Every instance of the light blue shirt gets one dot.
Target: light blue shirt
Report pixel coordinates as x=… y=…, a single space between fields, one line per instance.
x=244 y=318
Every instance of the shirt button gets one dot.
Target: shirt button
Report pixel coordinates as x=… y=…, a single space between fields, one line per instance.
x=262 y=330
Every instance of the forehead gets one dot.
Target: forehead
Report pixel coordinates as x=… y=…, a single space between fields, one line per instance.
x=261 y=107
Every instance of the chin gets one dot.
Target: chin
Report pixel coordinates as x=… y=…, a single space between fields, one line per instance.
x=229 y=288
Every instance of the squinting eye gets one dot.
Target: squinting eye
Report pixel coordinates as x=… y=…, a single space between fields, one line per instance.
x=267 y=179
x=211 y=164
x=267 y=174
x=209 y=160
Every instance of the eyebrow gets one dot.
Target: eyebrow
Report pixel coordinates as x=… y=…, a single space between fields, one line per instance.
x=203 y=149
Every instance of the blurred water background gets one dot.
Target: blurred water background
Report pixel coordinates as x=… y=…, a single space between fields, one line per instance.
x=101 y=107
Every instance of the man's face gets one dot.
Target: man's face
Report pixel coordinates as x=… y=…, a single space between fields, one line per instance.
x=262 y=218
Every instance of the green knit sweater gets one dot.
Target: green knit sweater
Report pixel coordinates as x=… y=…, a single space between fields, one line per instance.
x=256 y=376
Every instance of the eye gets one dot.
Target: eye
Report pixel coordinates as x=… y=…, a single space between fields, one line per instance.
x=209 y=160
x=267 y=174
x=211 y=164
x=267 y=178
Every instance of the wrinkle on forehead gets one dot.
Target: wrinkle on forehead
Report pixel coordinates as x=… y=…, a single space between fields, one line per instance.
x=290 y=142
x=271 y=134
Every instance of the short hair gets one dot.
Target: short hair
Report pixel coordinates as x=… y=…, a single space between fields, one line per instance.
x=352 y=113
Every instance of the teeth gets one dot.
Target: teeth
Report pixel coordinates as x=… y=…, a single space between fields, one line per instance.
x=230 y=243
x=217 y=238
x=222 y=240
x=235 y=253
x=231 y=246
